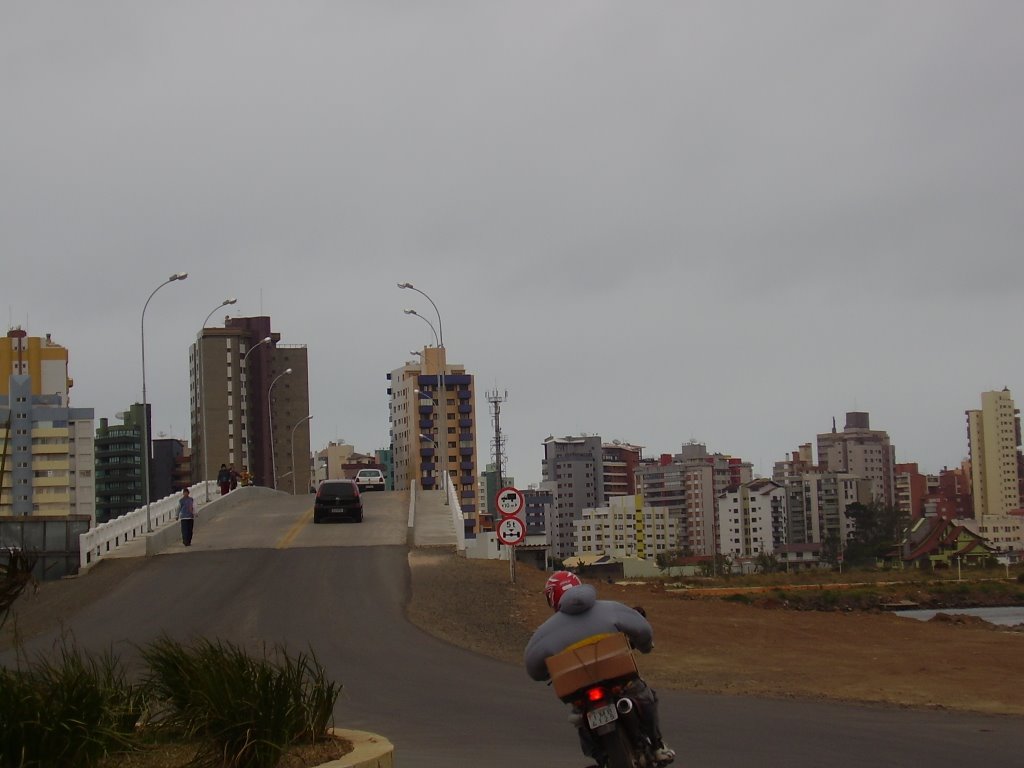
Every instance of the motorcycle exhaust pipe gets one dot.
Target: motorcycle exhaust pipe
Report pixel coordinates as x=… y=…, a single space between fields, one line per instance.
x=625 y=706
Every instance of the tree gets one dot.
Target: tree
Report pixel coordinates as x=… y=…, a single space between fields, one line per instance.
x=15 y=576
x=766 y=562
x=877 y=529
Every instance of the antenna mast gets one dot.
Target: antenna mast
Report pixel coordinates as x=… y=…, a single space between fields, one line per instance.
x=497 y=442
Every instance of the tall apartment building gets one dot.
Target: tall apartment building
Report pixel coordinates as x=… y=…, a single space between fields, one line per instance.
x=118 y=448
x=861 y=451
x=994 y=439
x=910 y=489
x=570 y=472
x=816 y=506
x=996 y=470
x=46 y=446
x=626 y=527
x=752 y=519
x=618 y=469
x=688 y=485
x=246 y=410
x=433 y=428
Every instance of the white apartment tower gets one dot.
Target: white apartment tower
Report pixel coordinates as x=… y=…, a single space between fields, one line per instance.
x=752 y=519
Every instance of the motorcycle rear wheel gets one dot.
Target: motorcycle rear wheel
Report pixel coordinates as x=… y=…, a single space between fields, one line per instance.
x=618 y=749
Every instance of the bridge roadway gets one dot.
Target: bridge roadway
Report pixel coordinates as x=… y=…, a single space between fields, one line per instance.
x=260 y=572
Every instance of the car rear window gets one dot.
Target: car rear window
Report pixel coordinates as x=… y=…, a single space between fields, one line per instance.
x=341 y=490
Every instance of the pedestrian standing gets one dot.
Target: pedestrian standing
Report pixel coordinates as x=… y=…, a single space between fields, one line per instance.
x=224 y=479
x=234 y=476
x=187 y=516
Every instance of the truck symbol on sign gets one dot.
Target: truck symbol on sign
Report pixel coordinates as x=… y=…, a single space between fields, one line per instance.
x=509 y=498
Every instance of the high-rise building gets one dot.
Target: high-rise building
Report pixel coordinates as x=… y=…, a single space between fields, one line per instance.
x=618 y=469
x=994 y=439
x=46 y=447
x=570 y=472
x=433 y=428
x=752 y=519
x=246 y=410
x=861 y=451
x=119 y=487
x=910 y=490
x=816 y=506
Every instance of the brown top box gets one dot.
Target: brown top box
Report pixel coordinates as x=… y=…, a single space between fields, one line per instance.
x=607 y=658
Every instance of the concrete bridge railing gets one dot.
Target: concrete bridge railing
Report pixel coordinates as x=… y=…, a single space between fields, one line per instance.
x=107 y=537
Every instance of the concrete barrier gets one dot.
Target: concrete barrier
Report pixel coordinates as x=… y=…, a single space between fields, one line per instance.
x=369 y=751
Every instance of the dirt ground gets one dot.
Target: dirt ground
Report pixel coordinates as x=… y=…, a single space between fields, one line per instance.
x=722 y=647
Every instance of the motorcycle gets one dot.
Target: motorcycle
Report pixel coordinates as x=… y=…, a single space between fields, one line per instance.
x=599 y=680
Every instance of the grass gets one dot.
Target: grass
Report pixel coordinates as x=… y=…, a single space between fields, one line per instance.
x=211 y=700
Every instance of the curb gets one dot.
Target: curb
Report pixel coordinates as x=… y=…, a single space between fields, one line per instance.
x=369 y=751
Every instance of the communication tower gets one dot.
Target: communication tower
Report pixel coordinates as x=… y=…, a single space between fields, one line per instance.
x=496 y=398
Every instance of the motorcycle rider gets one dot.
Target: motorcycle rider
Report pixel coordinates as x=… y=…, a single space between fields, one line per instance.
x=579 y=615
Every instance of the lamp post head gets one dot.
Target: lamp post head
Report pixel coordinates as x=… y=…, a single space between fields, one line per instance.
x=405 y=285
x=177 y=276
x=264 y=341
x=410 y=311
x=287 y=370
x=228 y=301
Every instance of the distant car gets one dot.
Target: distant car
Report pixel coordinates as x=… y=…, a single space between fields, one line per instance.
x=338 y=498
x=370 y=480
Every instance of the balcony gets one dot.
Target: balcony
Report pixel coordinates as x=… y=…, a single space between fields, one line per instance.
x=427 y=482
x=466 y=479
x=465 y=465
x=465 y=451
x=426 y=453
x=427 y=466
x=465 y=394
x=426 y=423
x=426 y=409
x=465 y=408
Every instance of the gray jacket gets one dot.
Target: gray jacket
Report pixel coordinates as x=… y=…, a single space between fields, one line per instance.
x=581 y=615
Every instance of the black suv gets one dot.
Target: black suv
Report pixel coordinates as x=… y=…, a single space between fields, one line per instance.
x=338 y=498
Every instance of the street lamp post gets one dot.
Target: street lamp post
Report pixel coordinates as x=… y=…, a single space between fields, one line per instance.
x=248 y=431
x=202 y=394
x=145 y=410
x=299 y=422
x=270 y=414
x=421 y=317
x=444 y=389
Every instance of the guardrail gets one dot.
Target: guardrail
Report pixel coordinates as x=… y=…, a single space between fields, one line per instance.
x=108 y=536
x=458 y=519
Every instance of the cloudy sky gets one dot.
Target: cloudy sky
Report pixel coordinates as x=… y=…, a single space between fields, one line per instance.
x=658 y=222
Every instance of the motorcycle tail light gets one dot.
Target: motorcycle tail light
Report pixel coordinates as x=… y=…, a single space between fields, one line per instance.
x=596 y=694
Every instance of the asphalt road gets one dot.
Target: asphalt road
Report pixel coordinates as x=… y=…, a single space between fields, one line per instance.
x=260 y=572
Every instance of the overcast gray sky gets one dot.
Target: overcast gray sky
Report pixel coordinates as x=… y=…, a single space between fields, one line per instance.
x=654 y=221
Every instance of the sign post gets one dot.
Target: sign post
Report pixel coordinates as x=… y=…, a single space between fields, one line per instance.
x=511 y=530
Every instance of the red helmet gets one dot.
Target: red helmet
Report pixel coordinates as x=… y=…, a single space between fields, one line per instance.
x=558 y=582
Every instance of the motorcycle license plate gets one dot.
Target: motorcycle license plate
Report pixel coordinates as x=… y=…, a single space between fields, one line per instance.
x=602 y=716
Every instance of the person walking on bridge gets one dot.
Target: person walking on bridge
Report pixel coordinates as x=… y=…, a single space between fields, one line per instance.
x=187 y=516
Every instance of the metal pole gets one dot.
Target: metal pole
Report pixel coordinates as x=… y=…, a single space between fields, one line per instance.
x=202 y=394
x=270 y=414
x=300 y=421
x=145 y=410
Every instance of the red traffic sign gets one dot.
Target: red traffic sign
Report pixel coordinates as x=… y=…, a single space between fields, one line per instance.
x=510 y=501
x=511 y=531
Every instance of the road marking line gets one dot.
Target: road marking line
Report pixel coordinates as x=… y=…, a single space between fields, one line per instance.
x=294 y=530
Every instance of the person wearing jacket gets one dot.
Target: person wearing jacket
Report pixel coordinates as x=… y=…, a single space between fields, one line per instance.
x=224 y=479
x=579 y=615
x=187 y=516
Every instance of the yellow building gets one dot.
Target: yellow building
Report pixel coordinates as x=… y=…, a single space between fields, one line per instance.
x=47 y=459
x=994 y=437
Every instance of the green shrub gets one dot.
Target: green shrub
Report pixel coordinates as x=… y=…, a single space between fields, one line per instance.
x=69 y=712
x=245 y=711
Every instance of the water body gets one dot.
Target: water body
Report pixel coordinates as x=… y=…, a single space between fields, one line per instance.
x=1005 y=615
